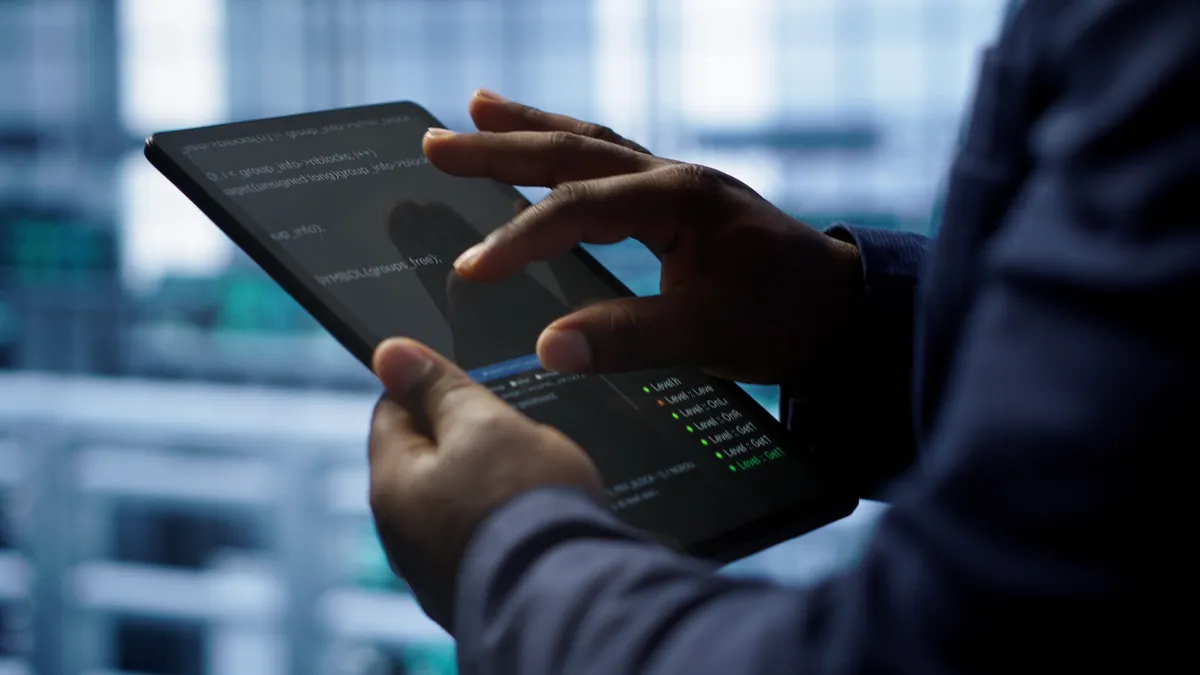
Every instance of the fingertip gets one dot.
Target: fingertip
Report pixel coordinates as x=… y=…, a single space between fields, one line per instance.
x=433 y=137
x=487 y=114
x=490 y=109
x=469 y=259
x=400 y=363
x=485 y=94
x=564 y=350
x=485 y=262
x=382 y=354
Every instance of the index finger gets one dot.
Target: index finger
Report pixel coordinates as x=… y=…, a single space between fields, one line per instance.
x=531 y=158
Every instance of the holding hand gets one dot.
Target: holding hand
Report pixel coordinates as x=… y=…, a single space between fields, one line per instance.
x=445 y=453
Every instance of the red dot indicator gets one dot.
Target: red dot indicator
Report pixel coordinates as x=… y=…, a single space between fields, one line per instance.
x=660 y=402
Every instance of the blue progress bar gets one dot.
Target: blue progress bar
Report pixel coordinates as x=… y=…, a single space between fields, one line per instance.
x=505 y=368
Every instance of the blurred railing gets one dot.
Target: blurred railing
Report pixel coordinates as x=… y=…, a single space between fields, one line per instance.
x=235 y=517
x=218 y=510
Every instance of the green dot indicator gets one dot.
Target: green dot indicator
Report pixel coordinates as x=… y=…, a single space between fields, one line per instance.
x=720 y=456
x=703 y=442
x=732 y=468
x=675 y=415
x=646 y=389
x=690 y=429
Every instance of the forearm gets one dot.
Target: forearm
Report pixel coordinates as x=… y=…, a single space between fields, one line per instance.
x=855 y=405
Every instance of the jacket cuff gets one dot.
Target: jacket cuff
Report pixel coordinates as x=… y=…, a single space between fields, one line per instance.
x=514 y=538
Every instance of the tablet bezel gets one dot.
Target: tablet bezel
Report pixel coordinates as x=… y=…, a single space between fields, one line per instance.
x=729 y=546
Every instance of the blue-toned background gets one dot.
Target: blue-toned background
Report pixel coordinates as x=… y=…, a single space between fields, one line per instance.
x=182 y=479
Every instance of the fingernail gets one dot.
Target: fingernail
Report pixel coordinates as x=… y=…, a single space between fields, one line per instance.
x=490 y=95
x=437 y=132
x=564 y=350
x=469 y=257
x=401 y=365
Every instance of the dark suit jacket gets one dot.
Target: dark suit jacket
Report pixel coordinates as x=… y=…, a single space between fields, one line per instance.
x=1051 y=362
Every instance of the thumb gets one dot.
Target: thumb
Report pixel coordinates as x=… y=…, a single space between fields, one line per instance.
x=429 y=387
x=631 y=334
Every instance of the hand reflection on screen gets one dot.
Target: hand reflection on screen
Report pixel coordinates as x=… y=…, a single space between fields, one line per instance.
x=489 y=322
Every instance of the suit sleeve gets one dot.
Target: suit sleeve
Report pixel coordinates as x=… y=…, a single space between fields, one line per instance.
x=1023 y=542
x=868 y=371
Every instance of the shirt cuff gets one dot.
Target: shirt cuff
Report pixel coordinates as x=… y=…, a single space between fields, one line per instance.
x=890 y=258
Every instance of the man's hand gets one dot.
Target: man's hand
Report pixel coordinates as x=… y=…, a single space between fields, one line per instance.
x=444 y=454
x=747 y=292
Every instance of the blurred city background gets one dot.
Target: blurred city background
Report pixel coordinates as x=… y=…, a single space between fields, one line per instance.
x=182 y=474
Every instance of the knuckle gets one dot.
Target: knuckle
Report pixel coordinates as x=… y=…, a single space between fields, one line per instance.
x=562 y=142
x=453 y=390
x=696 y=177
x=507 y=232
x=540 y=119
x=379 y=495
x=568 y=194
x=601 y=132
x=623 y=330
x=380 y=419
x=563 y=200
x=393 y=505
x=528 y=111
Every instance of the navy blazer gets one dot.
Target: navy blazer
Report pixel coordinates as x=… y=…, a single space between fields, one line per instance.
x=1043 y=363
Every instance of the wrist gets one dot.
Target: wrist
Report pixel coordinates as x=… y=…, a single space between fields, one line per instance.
x=849 y=285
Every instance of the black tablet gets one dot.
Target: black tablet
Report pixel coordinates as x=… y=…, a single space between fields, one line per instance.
x=343 y=210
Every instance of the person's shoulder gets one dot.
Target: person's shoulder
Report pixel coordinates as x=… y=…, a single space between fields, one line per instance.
x=1123 y=21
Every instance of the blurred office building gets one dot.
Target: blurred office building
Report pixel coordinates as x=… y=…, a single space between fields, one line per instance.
x=182 y=471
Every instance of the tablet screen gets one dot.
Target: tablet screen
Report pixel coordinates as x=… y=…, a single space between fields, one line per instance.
x=347 y=203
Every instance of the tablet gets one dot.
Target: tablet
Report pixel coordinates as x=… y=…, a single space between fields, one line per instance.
x=344 y=212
